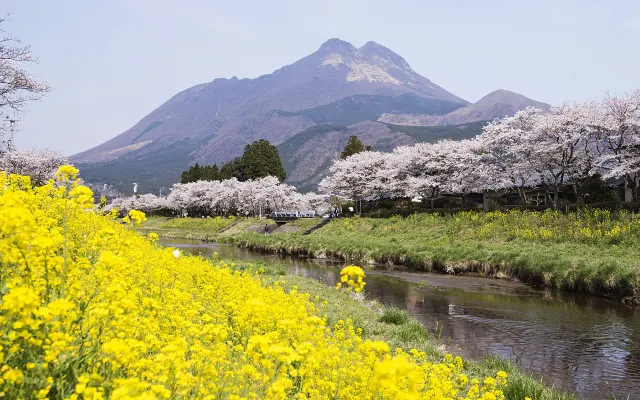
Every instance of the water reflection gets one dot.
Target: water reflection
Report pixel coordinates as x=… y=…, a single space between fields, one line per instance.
x=573 y=341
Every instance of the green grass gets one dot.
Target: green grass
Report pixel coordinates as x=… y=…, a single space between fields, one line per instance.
x=186 y=228
x=394 y=316
x=591 y=251
x=303 y=224
x=399 y=330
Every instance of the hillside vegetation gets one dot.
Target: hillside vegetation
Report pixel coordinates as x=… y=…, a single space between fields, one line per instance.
x=353 y=109
x=434 y=133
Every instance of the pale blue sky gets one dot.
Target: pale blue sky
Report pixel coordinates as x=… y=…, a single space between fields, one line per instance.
x=112 y=62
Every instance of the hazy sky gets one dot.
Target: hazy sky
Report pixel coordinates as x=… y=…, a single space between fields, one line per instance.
x=112 y=62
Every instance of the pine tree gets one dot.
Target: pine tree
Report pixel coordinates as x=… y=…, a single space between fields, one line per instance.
x=210 y=173
x=261 y=159
x=193 y=174
x=198 y=173
x=354 y=146
x=227 y=171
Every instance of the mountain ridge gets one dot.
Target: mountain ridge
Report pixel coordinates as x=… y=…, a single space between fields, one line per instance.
x=496 y=104
x=214 y=121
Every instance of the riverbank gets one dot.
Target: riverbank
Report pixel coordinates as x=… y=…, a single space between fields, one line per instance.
x=594 y=252
x=397 y=328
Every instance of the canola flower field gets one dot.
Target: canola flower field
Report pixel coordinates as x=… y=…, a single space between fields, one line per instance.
x=90 y=310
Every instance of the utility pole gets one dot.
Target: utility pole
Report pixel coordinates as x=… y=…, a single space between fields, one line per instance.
x=9 y=143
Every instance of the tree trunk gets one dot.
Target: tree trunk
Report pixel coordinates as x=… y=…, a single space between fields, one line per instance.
x=578 y=198
x=522 y=195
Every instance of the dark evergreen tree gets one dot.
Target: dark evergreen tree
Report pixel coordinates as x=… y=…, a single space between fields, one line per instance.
x=238 y=171
x=354 y=146
x=198 y=173
x=261 y=159
x=193 y=174
x=210 y=173
x=227 y=170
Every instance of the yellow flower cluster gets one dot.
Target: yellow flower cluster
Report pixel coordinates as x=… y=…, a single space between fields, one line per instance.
x=136 y=216
x=89 y=309
x=353 y=277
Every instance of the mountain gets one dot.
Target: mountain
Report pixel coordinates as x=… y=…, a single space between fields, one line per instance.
x=338 y=84
x=306 y=166
x=496 y=104
x=365 y=107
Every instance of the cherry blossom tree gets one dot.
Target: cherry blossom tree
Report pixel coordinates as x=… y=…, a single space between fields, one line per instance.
x=16 y=86
x=429 y=170
x=537 y=150
x=616 y=128
x=358 y=177
x=40 y=165
x=148 y=203
x=561 y=146
x=510 y=153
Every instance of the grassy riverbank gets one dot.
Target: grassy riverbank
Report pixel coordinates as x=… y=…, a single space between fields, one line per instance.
x=377 y=322
x=187 y=228
x=399 y=330
x=594 y=252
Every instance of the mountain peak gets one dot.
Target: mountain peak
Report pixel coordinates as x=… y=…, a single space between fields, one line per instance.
x=503 y=96
x=372 y=45
x=375 y=51
x=336 y=45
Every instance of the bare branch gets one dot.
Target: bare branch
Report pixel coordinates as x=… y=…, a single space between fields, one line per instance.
x=16 y=85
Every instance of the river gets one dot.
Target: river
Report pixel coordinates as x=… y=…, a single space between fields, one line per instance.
x=575 y=342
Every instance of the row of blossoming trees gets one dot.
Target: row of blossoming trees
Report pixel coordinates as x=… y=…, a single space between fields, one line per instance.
x=227 y=197
x=201 y=198
x=532 y=149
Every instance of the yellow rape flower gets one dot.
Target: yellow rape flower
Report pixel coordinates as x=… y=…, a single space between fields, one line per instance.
x=353 y=277
x=83 y=293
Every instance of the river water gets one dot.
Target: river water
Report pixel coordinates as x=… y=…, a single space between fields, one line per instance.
x=579 y=343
